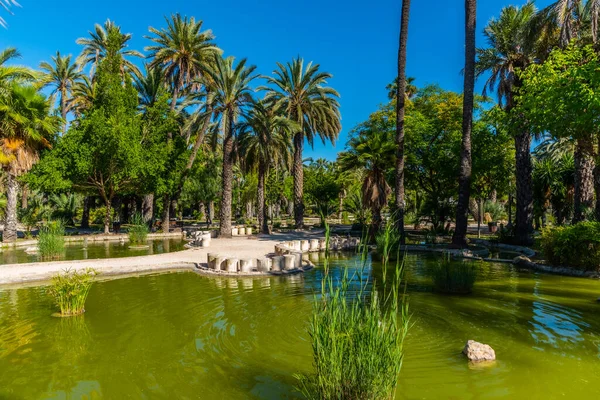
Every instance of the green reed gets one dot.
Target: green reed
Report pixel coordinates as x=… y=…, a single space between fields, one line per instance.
x=70 y=290
x=453 y=277
x=357 y=337
x=51 y=240
x=138 y=231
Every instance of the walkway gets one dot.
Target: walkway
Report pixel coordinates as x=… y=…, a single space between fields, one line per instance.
x=238 y=247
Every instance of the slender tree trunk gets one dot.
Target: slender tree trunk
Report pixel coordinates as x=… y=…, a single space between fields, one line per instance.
x=24 y=196
x=298 y=172
x=12 y=192
x=400 y=201
x=584 y=178
x=148 y=208
x=464 y=182
x=479 y=217
x=597 y=186
x=524 y=188
x=226 y=199
x=210 y=214
x=341 y=198
x=63 y=108
x=85 y=216
x=260 y=199
x=107 y=203
x=166 y=215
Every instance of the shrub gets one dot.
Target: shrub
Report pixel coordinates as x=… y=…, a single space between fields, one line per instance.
x=576 y=246
x=357 y=340
x=70 y=290
x=453 y=277
x=51 y=241
x=138 y=231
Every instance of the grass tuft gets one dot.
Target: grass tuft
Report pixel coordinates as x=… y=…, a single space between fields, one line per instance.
x=138 y=231
x=51 y=241
x=70 y=290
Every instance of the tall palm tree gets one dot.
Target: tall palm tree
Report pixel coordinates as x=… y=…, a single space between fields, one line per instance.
x=410 y=91
x=400 y=112
x=303 y=95
x=372 y=151
x=25 y=126
x=83 y=93
x=464 y=181
x=511 y=49
x=264 y=142
x=62 y=76
x=229 y=93
x=150 y=86
x=95 y=48
x=183 y=51
x=12 y=73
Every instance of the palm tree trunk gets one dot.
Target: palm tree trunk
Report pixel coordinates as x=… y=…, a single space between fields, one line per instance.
x=85 y=216
x=400 y=111
x=584 y=178
x=524 y=189
x=260 y=199
x=298 y=172
x=226 y=196
x=148 y=208
x=12 y=191
x=63 y=108
x=464 y=182
x=166 y=218
x=24 y=196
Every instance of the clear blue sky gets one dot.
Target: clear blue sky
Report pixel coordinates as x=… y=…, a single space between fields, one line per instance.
x=354 y=40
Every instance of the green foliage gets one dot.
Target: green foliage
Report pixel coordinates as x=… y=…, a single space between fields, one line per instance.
x=138 y=230
x=71 y=289
x=51 y=241
x=453 y=277
x=495 y=210
x=387 y=242
x=576 y=246
x=65 y=206
x=321 y=188
x=357 y=339
x=98 y=214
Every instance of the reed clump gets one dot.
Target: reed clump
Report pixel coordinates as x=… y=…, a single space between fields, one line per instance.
x=138 y=231
x=70 y=290
x=51 y=239
x=357 y=337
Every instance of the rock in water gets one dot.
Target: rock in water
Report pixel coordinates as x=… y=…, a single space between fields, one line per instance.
x=476 y=351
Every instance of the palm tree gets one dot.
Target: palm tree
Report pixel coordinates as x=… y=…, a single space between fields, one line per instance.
x=150 y=86
x=183 y=51
x=400 y=111
x=62 y=77
x=94 y=48
x=265 y=142
x=372 y=151
x=12 y=73
x=229 y=93
x=25 y=125
x=83 y=94
x=303 y=95
x=464 y=182
x=410 y=91
x=510 y=49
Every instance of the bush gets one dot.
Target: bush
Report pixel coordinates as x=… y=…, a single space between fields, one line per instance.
x=576 y=246
x=138 y=230
x=51 y=241
x=453 y=277
x=357 y=340
x=70 y=290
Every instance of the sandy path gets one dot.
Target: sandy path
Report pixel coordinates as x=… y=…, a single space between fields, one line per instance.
x=239 y=247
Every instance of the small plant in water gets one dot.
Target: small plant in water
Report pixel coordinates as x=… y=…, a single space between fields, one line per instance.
x=357 y=338
x=51 y=241
x=70 y=290
x=138 y=231
x=453 y=277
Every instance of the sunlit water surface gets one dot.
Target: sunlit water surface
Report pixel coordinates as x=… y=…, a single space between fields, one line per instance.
x=182 y=335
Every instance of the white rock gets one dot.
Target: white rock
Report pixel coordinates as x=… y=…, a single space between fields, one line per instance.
x=476 y=351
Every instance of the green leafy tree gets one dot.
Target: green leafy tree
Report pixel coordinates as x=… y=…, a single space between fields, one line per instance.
x=322 y=187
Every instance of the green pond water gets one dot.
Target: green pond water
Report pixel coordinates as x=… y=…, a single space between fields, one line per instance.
x=183 y=335
x=95 y=250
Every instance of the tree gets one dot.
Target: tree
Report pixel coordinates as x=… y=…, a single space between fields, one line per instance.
x=264 y=143
x=400 y=202
x=510 y=50
x=409 y=92
x=229 y=93
x=102 y=152
x=12 y=73
x=464 y=191
x=62 y=76
x=96 y=48
x=322 y=187
x=303 y=95
x=25 y=127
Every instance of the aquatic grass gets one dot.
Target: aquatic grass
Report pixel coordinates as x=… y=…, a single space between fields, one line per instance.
x=138 y=231
x=387 y=242
x=51 y=241
x=70 y=290
x=357 y=337
x=453 y=277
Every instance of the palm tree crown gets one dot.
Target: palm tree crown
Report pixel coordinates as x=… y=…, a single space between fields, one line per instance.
x=12 y=73
x=62 y=76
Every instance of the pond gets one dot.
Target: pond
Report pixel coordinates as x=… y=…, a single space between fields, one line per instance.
x=183 y=335
x=95 y=250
